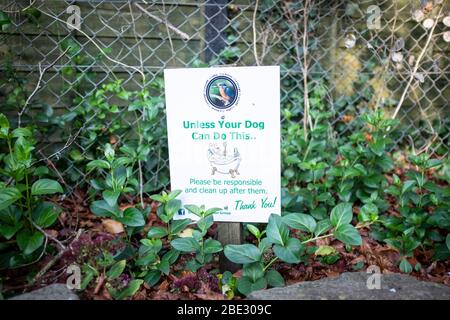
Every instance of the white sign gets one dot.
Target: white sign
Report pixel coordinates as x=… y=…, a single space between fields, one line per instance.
x=224 y=140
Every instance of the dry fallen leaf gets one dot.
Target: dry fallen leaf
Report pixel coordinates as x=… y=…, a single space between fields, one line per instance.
x=113 y=227
x=126 y=206
x=186 y=233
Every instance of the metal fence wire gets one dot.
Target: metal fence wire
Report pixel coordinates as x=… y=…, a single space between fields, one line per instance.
x=363 y=54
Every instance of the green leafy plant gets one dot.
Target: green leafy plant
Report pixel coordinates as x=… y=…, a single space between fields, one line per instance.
x=166 y=211
x=227 y=284
x=290 y=247
x=23 y=212
x=360 y=172
x=155 y=257
x=134 y=121
x=197 y=244
x=424 y=216
x=118 y=181
x=105 y=268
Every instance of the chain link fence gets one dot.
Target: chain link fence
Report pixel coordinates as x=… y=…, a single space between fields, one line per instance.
x=363 y=54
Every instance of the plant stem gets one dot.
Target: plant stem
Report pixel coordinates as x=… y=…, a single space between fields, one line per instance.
x=28 y=195
x=270 y=263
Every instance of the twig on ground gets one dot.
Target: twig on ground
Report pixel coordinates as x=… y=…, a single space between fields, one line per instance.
x=44 y=270
x=49 y=236
x=100 y=281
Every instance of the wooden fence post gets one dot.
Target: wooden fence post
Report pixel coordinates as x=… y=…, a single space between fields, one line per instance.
x=215 y=35
x=229 y=233
x=215 y=38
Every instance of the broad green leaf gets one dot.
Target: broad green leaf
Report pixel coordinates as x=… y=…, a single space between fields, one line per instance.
x=289 y=253
x=253 y=230
x=116 y=270
x=405 y=266
x=211 y=211
x=322 y=227
x=45 y=186
x=133 y=287
x=274 y=278
x=21 y=133
x=447 y=241
x=185 y=244
x=242 y=253
x=147 y=259
x=152 y=277
x=433 y=163
x=157 y=232
x=441 y=252
x=8 y=196
x=192 y=208
x=45 y=214
x=164 y=267
x=377 y=147
x=172 y=207
x=212 y=246
x=171 y=256
x=102 y=208
x=109 y=152
x=246 y=286
x=132 y=217
x=348 y=234
x=121 y=162
x=193 y=265
x=176 y=226
x=277 y=232
x=341 y=214
x=5 y=21
x=98 y=164
x=173 y=194
x=10 y=215
x=300 y=221
x=368 y=212
x=29 y=241
x=205 y=223
x=4 y=125
x=157 y=197
x=254 y=271
x=88 y=276
x=264 y=244
x=407 y=185
x=8 y=231
x=111 y=197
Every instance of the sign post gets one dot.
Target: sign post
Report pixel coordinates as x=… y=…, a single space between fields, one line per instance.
x=224 y=143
